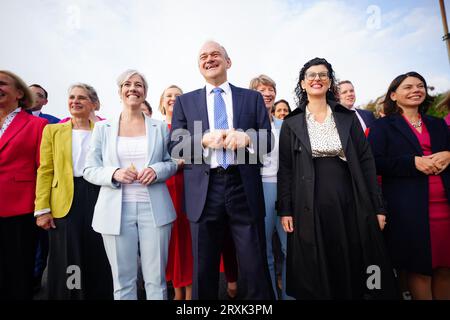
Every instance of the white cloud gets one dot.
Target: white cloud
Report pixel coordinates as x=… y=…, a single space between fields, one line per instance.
x=57 y=43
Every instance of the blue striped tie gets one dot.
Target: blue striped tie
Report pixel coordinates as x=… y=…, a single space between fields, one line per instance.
x=224 y=158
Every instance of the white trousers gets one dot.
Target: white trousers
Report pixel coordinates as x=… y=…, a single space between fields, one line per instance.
x=138 y=233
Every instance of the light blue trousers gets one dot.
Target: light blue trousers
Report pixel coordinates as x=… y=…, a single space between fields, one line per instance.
x=272 y=223
x=138 y=233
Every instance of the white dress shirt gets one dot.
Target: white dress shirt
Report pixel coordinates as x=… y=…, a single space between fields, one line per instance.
x=228 y=99
x=363 y=125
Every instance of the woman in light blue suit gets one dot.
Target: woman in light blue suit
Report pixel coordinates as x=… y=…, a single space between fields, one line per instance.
x=128 y=158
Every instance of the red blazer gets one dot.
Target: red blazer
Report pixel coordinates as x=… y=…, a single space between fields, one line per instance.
x=19 y=161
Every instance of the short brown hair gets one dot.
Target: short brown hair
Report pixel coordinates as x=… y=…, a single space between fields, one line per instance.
x=26 y=101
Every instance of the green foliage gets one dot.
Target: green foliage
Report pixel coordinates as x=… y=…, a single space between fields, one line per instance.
x=435 y=110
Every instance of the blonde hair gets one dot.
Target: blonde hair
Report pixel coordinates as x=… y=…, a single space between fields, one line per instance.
x=262 y=80
x=161 y=107
x=26 y=101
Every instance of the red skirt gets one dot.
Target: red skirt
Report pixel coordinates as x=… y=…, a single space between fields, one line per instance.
x=180 y=261
x=439 y=216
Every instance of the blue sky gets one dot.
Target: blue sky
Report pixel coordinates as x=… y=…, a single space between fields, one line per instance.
x=57 y=43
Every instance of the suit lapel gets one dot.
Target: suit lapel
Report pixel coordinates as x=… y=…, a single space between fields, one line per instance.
x=343 y=125
x=400 y=124
x=237 y=102
x=20 y=120
x=150 y=131
x=300 y=129
x=65 y=142
x=203 y=108
x=113 y=134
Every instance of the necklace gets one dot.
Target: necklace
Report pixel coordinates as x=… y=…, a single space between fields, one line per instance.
x=416 y=124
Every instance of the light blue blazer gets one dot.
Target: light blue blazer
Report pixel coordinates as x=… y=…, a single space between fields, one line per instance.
x=102 y=161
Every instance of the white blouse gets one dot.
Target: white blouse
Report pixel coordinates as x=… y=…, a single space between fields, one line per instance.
x=324 y=137
x=80 y=147
x=133 y=150
x=9 y=118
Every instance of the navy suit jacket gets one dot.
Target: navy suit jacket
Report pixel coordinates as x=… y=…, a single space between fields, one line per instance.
x=51 y=119
x=367 y=116
x=405 y=188
x=249 y=112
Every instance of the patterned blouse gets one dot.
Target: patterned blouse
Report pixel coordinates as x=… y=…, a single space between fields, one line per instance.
x=9 y=118
x=324 y=137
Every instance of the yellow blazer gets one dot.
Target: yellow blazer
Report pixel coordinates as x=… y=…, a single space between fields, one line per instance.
x=54 y=186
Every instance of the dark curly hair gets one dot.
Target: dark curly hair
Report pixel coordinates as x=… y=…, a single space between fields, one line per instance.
x=300 y=95
x=391 y=106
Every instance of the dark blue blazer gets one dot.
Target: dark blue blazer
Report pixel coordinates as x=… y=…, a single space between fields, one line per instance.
x=51 y=119
x=405 y=188
x=367 y=116
x=249 y=112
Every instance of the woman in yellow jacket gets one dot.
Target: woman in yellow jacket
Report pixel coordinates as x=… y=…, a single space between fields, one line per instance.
x=77 y=266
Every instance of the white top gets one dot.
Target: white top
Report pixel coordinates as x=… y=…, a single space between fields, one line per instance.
x=324 y=137
x=228 y=99
x=80 y=147
x=270 y=161
x=9 y=118
x=133 y=150
x=363 y=124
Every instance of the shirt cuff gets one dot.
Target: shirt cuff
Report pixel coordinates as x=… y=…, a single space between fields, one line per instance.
x=41 y=212
x=250 y=148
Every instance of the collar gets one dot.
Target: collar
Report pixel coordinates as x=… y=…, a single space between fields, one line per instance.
x=309 y=115
x=224 y=86
x=36 y=113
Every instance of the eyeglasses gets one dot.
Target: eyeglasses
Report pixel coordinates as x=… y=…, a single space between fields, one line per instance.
x=312 y=76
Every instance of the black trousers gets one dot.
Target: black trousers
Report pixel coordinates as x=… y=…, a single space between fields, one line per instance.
x=18 y=238
x=227 y=206
x=78 y=268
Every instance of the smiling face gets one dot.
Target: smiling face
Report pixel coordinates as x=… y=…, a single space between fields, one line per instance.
x=347 y=95
x=268 y=93
x=80 y=105
x=169 y=97
x=281 y=110
x=9 y=94
x=410 y=93
x=213 y=63
x=132 y=91
x=316 y=86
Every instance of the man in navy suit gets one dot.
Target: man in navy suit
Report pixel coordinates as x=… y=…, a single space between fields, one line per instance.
x=40 y=96
x=223 y=187
x=347 y=98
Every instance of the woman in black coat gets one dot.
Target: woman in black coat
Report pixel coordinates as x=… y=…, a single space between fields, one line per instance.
x=411 y=152
x=329 y=199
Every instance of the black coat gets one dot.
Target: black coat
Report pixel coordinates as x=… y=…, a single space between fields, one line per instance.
x=406 y=189
x=306 y=269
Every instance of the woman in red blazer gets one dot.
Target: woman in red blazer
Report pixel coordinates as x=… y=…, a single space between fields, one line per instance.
x=20 y=136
